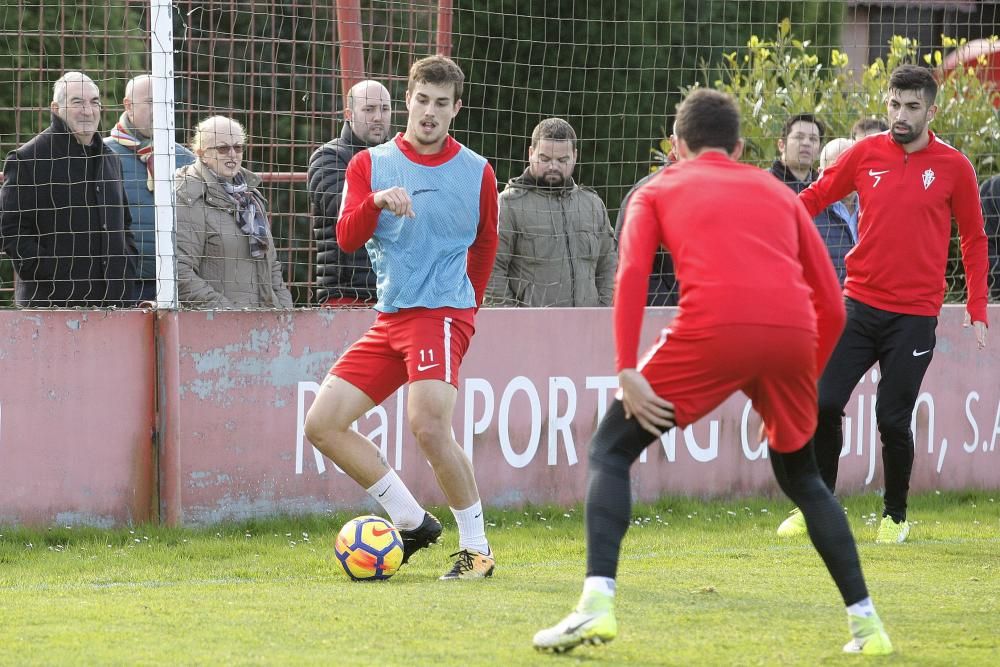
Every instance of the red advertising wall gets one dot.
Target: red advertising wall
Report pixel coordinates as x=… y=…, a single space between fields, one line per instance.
x=532 y=389
x=77 y=417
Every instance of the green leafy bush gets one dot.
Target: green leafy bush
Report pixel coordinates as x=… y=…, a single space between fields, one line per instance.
x=774 y=79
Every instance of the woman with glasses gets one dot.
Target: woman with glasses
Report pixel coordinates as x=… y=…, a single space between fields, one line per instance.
x=225 y=251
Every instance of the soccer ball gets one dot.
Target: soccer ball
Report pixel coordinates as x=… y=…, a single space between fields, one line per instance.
x=369 y=548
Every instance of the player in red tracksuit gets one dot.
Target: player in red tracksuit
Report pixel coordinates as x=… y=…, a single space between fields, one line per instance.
x=760 y=312
x=910 y=184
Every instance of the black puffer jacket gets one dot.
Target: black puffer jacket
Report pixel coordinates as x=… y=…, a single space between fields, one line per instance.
x=339 y=274
x=664 y=290
x=65 y=223
x=989 y=191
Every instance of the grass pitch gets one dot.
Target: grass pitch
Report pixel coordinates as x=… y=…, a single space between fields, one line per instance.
x=701 y=583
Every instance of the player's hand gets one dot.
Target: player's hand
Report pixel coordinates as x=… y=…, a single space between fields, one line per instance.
x=653 y=413
x=980 y=328
x=395 y=200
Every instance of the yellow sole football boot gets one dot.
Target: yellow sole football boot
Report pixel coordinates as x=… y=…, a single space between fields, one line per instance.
x=794 y=525
x=868 y=637
x=592 y=622
x=890 y=532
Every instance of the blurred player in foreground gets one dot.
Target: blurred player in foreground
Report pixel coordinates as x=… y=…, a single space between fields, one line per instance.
x=425 y=206
x=760 y=313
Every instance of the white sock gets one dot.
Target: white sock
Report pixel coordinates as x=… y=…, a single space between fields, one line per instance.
x=862 y=608
x=403 y=509
x=604 y=585
x=471 y=528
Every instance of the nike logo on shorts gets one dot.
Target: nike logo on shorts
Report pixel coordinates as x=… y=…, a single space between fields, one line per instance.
x=920 y=354
x=421 y=368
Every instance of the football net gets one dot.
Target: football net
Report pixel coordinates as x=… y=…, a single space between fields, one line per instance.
x=613 y=69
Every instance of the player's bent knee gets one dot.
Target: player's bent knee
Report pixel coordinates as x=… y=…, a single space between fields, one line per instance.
x=830 y=412
x=430 y=432
x=894 y=431
x=314 y=428
x=321 y=428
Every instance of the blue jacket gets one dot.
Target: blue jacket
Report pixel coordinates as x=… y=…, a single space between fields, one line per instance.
x=833 y=222
x=140 y=201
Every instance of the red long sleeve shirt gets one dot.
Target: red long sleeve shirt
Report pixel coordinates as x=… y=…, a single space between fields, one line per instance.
x=744 y=249
x=907 y=201
x=359 y=215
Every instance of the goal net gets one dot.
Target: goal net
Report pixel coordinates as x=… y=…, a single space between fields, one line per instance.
x=613 y=69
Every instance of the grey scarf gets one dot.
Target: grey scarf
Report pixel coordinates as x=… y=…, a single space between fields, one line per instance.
x=249 y=213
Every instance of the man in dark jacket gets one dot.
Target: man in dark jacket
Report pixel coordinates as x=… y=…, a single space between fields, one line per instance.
x=345 y=278
x=801 y=139
x=64 y=218
x=989 y=193
x=664 y=289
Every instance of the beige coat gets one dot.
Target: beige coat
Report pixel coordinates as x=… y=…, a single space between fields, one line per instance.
x=556 y=248
x=214 y=265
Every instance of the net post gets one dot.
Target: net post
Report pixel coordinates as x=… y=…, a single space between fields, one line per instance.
x=352 y=44
x=164 y=148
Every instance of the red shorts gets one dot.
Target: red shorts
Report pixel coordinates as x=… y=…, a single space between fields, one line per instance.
x=410 y=345
x=774 y=366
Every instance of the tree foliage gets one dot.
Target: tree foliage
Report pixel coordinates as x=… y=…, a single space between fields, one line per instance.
x=773 y=79
x=613 y=69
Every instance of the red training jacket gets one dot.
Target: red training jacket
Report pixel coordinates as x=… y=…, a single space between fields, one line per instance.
x=907 y=201
x=744 y=249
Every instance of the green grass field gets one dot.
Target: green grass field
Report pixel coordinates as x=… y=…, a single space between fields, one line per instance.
x=701 y=583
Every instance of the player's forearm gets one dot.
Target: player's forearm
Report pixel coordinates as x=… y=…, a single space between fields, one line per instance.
x=357 y=223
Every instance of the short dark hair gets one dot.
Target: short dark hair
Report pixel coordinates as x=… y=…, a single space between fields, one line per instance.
x=914 y=77
x=786 y=129
x=867 y=125
x=553 y=128
x=437 y=70
x=708 y=119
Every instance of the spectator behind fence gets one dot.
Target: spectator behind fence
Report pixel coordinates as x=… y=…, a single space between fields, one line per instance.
x=557 y=247
x=345 y=278
x=225 y=251
x=799 y=145
x=990 y=194
x=847 y=207
x=131 y=139
x=663 y=287
x=866 y=127
x=64 y=219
